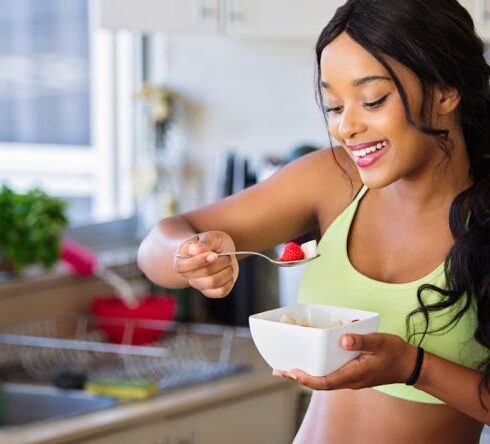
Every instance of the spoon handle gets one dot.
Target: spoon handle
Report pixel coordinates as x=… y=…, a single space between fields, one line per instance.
x=226 y=253
x=254 y=253
x=236 y=253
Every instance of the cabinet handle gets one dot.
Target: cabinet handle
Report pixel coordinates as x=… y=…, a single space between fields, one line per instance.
x=234 y=15
x=190 y=439
x=206 y=11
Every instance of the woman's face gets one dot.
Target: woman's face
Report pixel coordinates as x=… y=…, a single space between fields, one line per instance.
x=366 y=115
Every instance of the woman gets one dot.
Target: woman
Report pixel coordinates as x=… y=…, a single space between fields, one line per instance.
x=404 y=210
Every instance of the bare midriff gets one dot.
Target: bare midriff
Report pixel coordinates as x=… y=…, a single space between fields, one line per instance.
x=368 y=416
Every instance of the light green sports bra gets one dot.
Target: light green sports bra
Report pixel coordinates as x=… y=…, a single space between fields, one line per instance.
x=332 y=280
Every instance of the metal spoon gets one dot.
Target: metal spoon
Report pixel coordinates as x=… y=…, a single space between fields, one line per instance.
x=272 y=261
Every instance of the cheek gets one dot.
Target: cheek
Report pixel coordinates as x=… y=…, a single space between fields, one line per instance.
x=333 y=127
x=392 y=119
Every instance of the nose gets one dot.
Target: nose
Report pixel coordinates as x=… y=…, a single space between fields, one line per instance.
x=350 y=123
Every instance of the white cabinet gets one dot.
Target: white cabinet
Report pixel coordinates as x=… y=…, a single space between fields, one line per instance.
x=261 y=18
x=266 y=418
x=158 y=15
x=269 y=419
x=278 y=19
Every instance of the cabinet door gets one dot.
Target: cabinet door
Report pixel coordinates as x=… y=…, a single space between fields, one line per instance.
x=278 y=18
x=267 y=418
x=145 y=434
x=157 y=15
x=259 y=418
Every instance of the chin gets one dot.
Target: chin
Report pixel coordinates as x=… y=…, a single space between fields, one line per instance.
x=375 y=181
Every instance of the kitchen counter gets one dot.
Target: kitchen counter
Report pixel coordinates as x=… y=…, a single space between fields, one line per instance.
x=177 y=403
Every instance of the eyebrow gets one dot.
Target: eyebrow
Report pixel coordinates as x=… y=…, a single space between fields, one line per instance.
x=361 y=81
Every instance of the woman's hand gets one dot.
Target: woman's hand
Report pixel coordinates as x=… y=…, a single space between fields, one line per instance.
x=384 y=359
x=214 y=276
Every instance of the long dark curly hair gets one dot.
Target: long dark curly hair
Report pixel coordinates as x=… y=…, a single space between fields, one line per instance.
x=436 y=39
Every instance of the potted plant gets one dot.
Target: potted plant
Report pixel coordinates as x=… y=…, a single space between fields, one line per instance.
x=31 y=226
x=161 y=106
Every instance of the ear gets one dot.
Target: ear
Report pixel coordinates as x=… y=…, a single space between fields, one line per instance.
x=446 y=99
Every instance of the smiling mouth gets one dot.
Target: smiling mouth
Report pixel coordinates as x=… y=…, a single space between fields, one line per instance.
x=359 y=154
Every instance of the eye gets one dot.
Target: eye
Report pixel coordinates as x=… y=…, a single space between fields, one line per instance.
x=336 y=110
x=377 y=103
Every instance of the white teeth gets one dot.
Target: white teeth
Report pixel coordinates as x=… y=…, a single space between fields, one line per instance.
x=370 y=149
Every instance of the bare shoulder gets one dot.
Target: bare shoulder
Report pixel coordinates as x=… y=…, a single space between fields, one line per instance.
x=303 y=196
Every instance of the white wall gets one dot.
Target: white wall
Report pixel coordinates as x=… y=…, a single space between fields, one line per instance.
x=253 y=96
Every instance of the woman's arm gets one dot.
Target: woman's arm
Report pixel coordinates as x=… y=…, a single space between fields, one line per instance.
x=156 y=252
x=388 y=359
x=281 y=208
x=454 y=384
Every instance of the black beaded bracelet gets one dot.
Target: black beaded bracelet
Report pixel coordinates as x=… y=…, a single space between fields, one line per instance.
x=412 y=379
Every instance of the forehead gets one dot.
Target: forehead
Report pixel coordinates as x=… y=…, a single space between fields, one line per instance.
x=346 y=52
x=344 y=60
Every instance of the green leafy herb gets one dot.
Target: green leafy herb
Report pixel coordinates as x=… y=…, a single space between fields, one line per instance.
x=31 y=225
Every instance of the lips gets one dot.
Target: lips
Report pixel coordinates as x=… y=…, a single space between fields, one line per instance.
x=371 y=158
x=361 y=146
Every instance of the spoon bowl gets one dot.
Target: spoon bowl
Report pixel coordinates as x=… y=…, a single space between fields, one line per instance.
x=263 y=256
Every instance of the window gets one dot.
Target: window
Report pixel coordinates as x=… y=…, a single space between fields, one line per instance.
x=66 y=106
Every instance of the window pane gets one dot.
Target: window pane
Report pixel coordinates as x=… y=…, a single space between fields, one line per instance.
x=79 y=210
x=44 y=79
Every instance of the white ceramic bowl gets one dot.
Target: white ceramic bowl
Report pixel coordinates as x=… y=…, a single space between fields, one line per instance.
x=315 y=350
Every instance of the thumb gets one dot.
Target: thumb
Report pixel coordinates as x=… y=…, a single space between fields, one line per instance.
x=368 y=342
x=209 y=241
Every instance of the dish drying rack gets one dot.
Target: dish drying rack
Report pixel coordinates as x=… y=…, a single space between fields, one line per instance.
x=187 y=353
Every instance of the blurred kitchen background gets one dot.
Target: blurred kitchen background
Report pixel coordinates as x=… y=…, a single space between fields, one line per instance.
x=130 y=111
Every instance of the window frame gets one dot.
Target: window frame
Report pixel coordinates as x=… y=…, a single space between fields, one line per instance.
x=101 y=171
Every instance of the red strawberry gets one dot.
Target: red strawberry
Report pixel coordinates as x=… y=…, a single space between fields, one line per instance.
x=292 y=252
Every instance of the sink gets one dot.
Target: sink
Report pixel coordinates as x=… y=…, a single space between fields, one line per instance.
x=195 y=353
x=22 y=404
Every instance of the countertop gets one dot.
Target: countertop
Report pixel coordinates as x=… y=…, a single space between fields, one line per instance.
x=163 y=406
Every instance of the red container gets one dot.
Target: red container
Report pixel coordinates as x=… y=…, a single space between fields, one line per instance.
x=112 y=315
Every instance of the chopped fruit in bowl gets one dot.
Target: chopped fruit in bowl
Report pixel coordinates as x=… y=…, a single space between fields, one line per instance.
x=288 y=319
x=283 y=341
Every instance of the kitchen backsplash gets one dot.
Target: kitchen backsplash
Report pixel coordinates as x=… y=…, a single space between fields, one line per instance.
x=254 y=97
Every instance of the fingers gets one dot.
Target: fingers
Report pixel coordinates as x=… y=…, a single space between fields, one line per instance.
x=201 y=265
x=352 y=374
x=212 y=275
x=212 y=281
x=215 y=279
x=367 y=343
x=376 y=364
x=349 y=376
x=202 y=242
x=220 y=292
